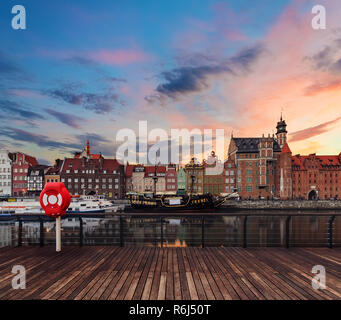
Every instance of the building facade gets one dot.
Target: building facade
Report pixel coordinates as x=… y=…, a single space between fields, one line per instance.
x=171 y=179
x=195 y=177
x=20 y=164
x=229 y=176
x=150 y=172
x=285 y=173
x=93 y=176
x=52 y=173
x=5 y=173
x=137 y=179
x=181 y=178
x=258 y=164
x=213 y=175
x=36 y=179
x=316 y=176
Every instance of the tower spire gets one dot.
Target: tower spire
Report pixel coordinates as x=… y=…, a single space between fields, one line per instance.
x=87 y=146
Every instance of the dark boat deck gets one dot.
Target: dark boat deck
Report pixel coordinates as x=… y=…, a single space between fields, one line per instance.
x=169 y=273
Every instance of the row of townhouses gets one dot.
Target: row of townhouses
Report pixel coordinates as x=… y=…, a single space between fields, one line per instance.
x=256 y=167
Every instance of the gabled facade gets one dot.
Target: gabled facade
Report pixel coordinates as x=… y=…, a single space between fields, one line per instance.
x=5 y=173
x=20 y=164
x=181 y=181
x=36 y=179
x=195 y=177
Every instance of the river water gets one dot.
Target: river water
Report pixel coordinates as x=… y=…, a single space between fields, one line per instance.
x=262 y=230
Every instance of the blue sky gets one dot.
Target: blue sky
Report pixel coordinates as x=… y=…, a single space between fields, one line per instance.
x=88 y=68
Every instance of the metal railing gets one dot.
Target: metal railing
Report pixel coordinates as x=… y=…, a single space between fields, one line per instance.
x=201 y=230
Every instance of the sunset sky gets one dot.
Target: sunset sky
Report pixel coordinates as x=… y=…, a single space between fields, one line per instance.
x=89 y=68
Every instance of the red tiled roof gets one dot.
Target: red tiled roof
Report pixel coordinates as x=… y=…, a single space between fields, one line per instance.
x=286 y=148
x=323 y=160
x=148 y=170
x=129 y=170
x=31 y=160
x=92 y=156
x=107 y=164
x=52 y=170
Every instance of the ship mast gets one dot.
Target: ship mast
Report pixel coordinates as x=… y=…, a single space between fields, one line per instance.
x=192 y=176
x=155 y=178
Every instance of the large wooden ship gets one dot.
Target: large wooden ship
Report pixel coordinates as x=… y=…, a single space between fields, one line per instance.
x=148 y=202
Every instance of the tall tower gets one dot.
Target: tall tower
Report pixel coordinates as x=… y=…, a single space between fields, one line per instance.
x=87 y=147
x=285 y=166
x=281 y=133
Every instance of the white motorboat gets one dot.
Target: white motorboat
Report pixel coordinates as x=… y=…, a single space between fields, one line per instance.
x=79 y=204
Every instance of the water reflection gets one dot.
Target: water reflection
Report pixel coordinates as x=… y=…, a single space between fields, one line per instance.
x=226 y=231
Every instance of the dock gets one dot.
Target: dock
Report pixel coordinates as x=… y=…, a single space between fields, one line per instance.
x=152 y=273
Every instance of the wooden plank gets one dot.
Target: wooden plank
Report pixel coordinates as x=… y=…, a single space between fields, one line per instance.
x=105 y=272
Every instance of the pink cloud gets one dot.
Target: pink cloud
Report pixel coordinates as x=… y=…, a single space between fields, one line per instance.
x=119 y=57
x=25 y=93
x=235 y=35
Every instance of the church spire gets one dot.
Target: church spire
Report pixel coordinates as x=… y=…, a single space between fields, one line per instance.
x=281 y=133
x=87 y=147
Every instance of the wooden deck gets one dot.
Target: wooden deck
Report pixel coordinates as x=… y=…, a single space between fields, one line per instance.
x=169 y=273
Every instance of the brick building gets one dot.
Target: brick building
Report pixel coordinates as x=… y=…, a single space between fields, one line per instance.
x=258 y=164
x=93 y=176
x=285 y=173
x=171 y=179
x=89 y=173
x=229 y=176
x=20 y=164
x=256 y=160
x=316 y=176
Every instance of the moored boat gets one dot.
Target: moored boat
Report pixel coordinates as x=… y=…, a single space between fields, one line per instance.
x=79 y=204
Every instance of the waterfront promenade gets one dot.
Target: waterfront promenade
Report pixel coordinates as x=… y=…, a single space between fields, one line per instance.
x=148 y=273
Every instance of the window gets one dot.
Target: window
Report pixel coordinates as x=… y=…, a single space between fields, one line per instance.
x=227 y=172
x=248 y=188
